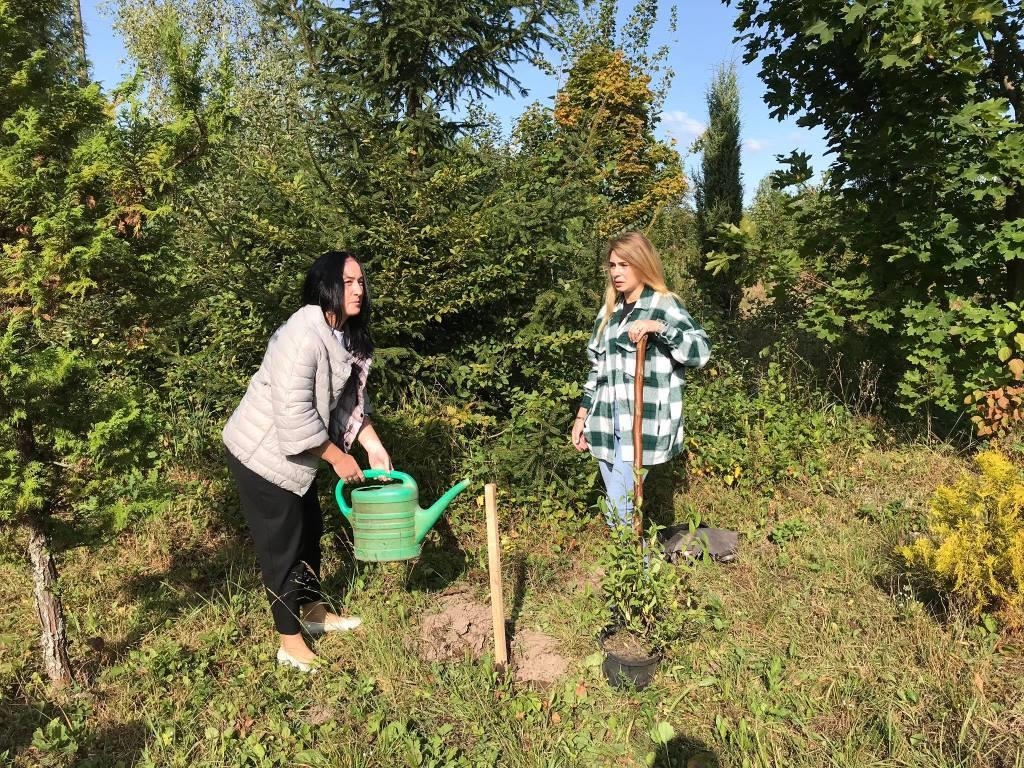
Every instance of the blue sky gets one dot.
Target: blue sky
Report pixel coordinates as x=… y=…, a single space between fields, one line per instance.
x=702 y=41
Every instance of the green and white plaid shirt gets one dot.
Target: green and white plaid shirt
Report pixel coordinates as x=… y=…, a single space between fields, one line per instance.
x=609 y=386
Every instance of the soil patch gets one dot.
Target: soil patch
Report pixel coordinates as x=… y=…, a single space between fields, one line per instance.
x=535 y=657
x=461 y=627
x=627 y=647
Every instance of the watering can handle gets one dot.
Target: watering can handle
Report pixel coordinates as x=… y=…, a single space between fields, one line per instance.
x=370 y=474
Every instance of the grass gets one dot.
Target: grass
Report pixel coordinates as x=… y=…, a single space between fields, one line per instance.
x=814 y=652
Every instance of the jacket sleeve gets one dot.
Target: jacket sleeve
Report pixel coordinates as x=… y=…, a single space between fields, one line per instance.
x=593 y=353
x=293 y=396
x=683 y=339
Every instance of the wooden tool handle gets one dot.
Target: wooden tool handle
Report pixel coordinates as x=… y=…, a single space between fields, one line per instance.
x=638 y=436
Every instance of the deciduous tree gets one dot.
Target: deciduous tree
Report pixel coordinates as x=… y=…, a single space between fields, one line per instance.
x=922 y=112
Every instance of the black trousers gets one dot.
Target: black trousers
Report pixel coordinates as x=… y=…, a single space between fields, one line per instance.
x=286 y=530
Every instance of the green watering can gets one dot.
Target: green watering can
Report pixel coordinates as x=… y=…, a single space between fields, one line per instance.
x=387 y=520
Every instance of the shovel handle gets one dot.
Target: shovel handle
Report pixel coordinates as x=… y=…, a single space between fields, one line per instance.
x=369 y=474
x=638 y=437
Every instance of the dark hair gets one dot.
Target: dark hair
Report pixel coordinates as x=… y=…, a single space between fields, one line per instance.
x=325 y=288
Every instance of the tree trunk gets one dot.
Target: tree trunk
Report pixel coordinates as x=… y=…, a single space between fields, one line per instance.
x=1015 y=267
x=49 y=607
x=83 y=64
x=53 y=641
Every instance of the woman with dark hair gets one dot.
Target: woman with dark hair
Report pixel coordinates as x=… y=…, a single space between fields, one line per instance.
x=306 y=402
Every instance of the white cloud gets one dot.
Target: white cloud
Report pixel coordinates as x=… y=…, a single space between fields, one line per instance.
x=755 y=145
x=680 y=125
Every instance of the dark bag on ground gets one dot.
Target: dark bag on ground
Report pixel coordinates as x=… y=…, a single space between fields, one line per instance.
x=679 y=542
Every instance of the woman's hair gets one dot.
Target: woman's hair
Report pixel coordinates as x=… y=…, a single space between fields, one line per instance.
x=325 y=287
x=637 y=251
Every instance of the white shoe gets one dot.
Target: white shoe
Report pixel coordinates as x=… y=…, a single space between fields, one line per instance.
x=285 y=659
x=339 y=624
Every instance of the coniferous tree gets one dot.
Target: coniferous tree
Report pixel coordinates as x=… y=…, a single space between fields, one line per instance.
x=81 y=292
x=718 y=188
x=408 y=64
x=36 y=93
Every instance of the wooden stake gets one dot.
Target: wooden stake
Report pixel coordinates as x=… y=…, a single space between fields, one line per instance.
x=494 y=566
x=638 y=438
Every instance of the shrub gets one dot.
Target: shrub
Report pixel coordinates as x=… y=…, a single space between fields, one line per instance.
x=643 y=593
x=973 y=548
x=997 y=412
x=755 y=431
x=532 y=457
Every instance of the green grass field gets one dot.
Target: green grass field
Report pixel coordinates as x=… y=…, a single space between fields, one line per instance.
x=813 y=651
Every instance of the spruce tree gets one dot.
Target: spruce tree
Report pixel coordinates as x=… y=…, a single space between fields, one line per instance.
x=718 y=188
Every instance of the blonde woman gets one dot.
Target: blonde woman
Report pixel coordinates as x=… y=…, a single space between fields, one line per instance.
x=637 y=303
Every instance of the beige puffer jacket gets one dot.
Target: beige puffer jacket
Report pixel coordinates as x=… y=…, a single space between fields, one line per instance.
x=308 y=389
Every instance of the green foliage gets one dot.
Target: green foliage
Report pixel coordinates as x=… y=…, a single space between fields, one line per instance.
x=972 y=550
x=644 y=593
x=55 y=739
x=718 y=189
x=417 y=58
x=532 y=457
x=762 y=249
x=756 y=431
x=84 y=289
x=921 y=229
x=482 y=255
x=788 y=531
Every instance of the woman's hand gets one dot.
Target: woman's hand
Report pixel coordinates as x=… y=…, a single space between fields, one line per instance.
x=579 y=441
x=641 y=328
x=347 y=468
x=379 y=458
x=375 y=451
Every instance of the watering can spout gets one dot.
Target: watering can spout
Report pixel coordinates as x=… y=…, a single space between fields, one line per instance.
x=425 y=518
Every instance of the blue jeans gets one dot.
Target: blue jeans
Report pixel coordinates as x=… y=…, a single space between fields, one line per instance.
x=618 y=482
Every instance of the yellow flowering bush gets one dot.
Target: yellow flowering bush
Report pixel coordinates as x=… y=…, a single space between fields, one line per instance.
x=973 y=547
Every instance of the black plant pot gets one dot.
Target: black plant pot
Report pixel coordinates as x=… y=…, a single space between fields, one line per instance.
x=626 y=671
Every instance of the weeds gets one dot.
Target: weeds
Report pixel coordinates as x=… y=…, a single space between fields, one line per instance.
x=825 y=659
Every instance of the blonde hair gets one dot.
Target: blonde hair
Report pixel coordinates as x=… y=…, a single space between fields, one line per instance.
x=637 y=251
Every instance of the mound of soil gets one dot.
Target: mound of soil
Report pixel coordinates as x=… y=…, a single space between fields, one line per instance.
x=459 y=628
x=462 y=627
x=536 y=657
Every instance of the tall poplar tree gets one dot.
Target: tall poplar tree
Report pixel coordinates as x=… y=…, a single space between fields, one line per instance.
x=718 y=187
